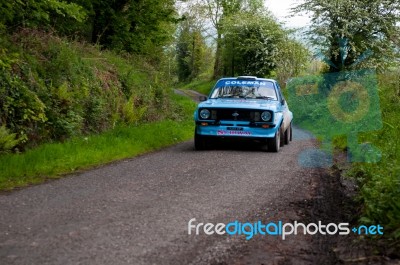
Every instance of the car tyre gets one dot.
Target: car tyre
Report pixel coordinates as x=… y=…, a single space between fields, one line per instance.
x=199 y=142
x=288 y=134
x=275 y=143
x=281 y=136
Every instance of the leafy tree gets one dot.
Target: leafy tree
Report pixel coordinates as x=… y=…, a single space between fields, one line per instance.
x=218 y=11
x=251 y=44
x=34 y=13
x=191 y=49
x=291 y=60
x=248 y=40
x=345 y=30
x=137 y=26
x=183 y=53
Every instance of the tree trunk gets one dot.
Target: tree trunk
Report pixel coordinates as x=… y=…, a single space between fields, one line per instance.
x=217 y=63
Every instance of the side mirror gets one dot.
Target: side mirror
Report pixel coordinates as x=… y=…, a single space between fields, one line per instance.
x=283 y=102
x=202 y=98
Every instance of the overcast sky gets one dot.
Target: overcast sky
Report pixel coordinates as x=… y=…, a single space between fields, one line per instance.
x=281 y=9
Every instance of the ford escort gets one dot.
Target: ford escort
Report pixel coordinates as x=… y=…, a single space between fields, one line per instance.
x=244 y=107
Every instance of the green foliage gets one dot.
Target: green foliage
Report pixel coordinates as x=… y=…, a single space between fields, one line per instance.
x=54 y=89
x=345 y=30
x=192 y=54
x=292 y=60
x=306 y=103
x=7 y=140
x=7 y=59
x=141 y=27
x=34 y=13
x=218 y=12
x=131 y=112
x=251 y=44
x=249 y=41
x=380 y=182
x=320 y=112
x=21 y=109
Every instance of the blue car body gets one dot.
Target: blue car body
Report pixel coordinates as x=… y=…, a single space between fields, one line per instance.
x=244 y=108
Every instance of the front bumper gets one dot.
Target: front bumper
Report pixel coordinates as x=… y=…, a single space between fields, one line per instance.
x=236 y=129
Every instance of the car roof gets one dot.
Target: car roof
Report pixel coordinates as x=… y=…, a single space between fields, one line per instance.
x=248 y=78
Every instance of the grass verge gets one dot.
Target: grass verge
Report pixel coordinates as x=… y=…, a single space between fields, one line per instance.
x=52 y=160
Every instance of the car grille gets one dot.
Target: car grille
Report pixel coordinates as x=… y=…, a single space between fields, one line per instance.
x=234 y=114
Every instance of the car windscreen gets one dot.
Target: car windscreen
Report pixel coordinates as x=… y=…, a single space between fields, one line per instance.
x=244 y=89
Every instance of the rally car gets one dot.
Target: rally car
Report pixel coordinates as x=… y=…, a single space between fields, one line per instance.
x=244 y=107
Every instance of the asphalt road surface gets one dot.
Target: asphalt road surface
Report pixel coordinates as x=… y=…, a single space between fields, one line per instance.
x=136 y=211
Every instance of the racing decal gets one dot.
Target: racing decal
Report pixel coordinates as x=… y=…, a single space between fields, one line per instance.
x=221 y=132
x=245 y=83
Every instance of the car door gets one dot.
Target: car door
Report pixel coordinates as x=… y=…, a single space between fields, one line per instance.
x=287 y=115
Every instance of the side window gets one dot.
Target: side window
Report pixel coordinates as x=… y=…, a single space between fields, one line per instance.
x=279 y=92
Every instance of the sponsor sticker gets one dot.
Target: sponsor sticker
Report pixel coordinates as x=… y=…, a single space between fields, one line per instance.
x=257 y=83
x=221 y=132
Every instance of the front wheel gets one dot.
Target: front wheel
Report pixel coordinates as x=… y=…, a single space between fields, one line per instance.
x=275 y=143
x=199 y=142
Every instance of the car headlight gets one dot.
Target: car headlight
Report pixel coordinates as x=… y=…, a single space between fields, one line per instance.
x=204 y=114
x=266 y=116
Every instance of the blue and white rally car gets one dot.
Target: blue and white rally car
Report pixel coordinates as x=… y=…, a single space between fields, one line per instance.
x=245 y=107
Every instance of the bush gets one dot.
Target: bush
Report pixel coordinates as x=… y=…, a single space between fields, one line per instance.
x=53 y=89
x=7 y=140
x=21 y=109
x=380 y=182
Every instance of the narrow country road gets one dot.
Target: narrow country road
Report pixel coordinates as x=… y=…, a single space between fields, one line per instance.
x=136 y=211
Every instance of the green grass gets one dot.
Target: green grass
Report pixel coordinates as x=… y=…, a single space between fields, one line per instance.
x=52 y=160
x=201 y=86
